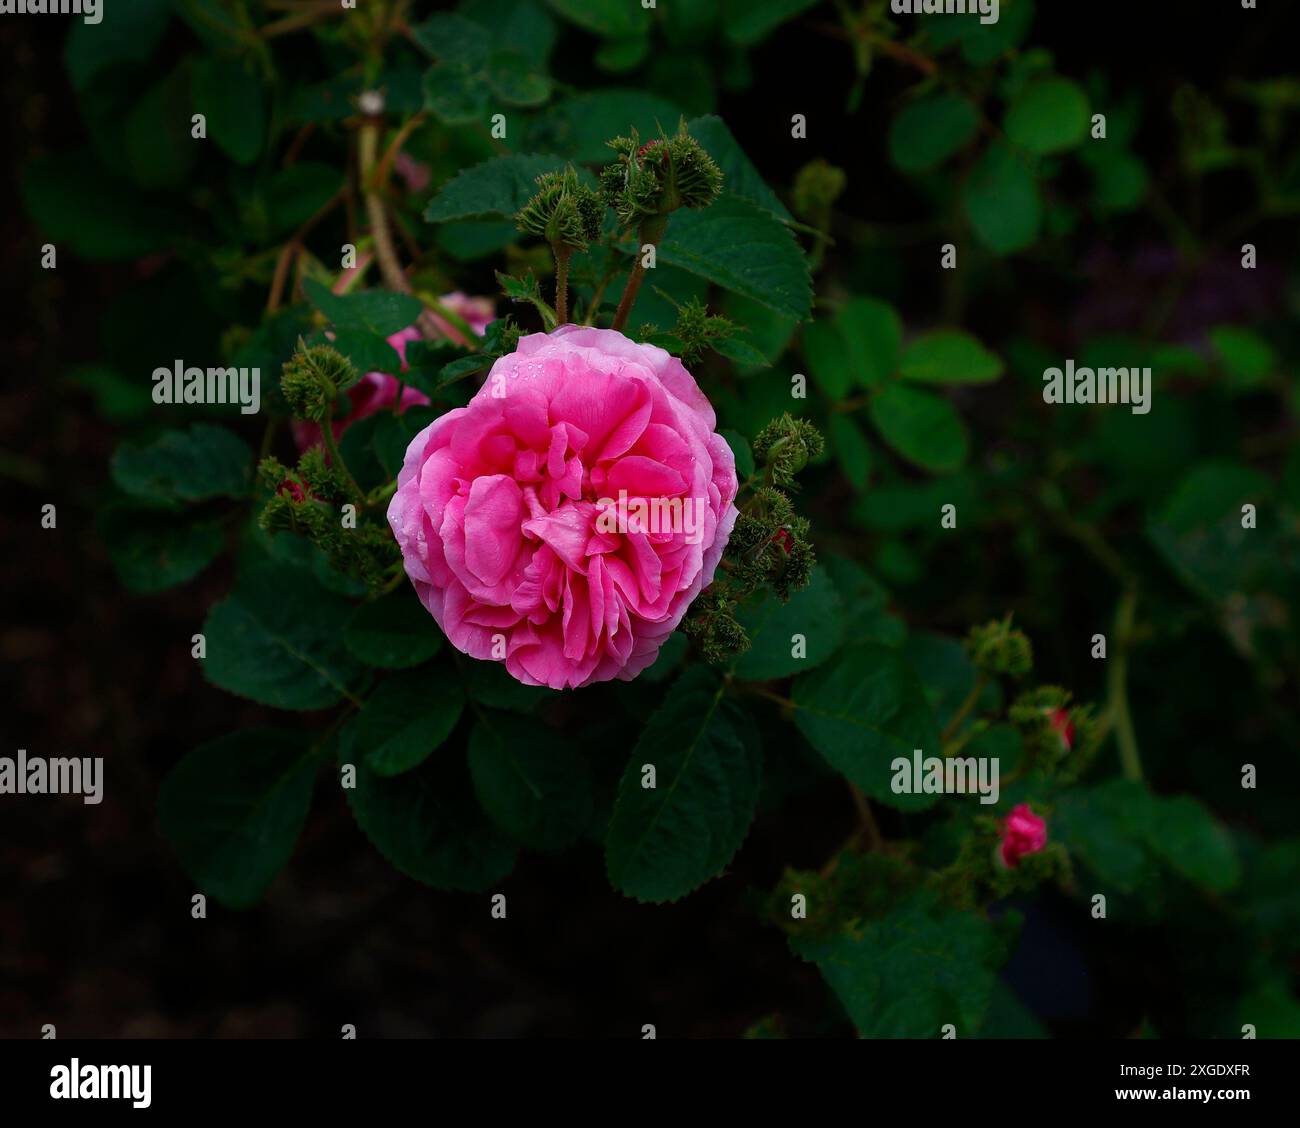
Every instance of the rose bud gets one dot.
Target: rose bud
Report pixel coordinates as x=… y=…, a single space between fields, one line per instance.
x=1023 y=833
x=377 y=391
x=1064 y=727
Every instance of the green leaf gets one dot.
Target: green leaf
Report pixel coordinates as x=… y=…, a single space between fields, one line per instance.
x=930 y=130
x=667 y=840
x=427 y=822
x=376 y=312
x=406 y=719
x=131 y=34
x=185 y=466
x=1121 y=831
x=610 y=19
x=1190 y=841
x=948 y=675
x=865 y=602
x=1100 y=827
x=277 y=639
x=1248 y=359
x=741 y=248
x=393 y=632
x=1119 y=180
x=455 y=93
x=1200 y=534
x=922 y=427
x=520 y=25
x=1002 y=201
x=620 y=55
x=1048 y=116
x=862 y=710
x=78 y=206
x=369 y=352
x=911 y=972
x=981 y=43
x=531 y=781
x=739 y=176
x=117 y=399
x=747 y=22
x=516 y=80
x=827 y=352
x=873 y=335
x=500 y=186
x=233 y=809
x=737 y=348
x=580 y=126
x=815 y=613
x=949 y=356
x=297 y=193
x=670 y=658
x=233 y=100
x=155 y=548
x=851 y=450
x=157 y=143
x=744 y=456
x=1271 y=1008
x=446 y=35
x=488 y=683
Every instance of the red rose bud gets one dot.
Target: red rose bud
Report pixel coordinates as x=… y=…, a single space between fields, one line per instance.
x=1064 y=727
x=784 y=539
x=291 y=490
x=1022 y=833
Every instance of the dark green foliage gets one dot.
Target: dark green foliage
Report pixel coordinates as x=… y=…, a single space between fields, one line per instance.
x=926 y=551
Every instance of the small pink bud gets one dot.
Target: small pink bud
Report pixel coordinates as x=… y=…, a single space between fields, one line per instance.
x=1022 y=833
x=291 y=490
x=1064 y=726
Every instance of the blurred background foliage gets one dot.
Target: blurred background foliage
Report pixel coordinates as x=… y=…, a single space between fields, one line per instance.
x=826 y=253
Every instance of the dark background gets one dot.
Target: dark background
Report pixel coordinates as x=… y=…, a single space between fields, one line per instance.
x=95 y=928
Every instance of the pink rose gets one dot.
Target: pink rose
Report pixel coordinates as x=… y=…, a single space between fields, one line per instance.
x=1022 y=833
x=565 y=519
x=376 y=391
x=478 y=313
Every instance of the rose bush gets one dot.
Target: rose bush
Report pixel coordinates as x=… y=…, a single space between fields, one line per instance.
x=631 y=188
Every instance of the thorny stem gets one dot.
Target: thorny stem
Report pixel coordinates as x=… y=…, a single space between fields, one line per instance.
x=290 y=250
x=382 y=494
x=868 y=819
x=651 y=232
x=1117 y=686
x=385 y=251
x=562 y=254
x=594 y=308
x=393 y=584
x=327 y=435
x=395 y=147
x=963 y=710
x=373 y=179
